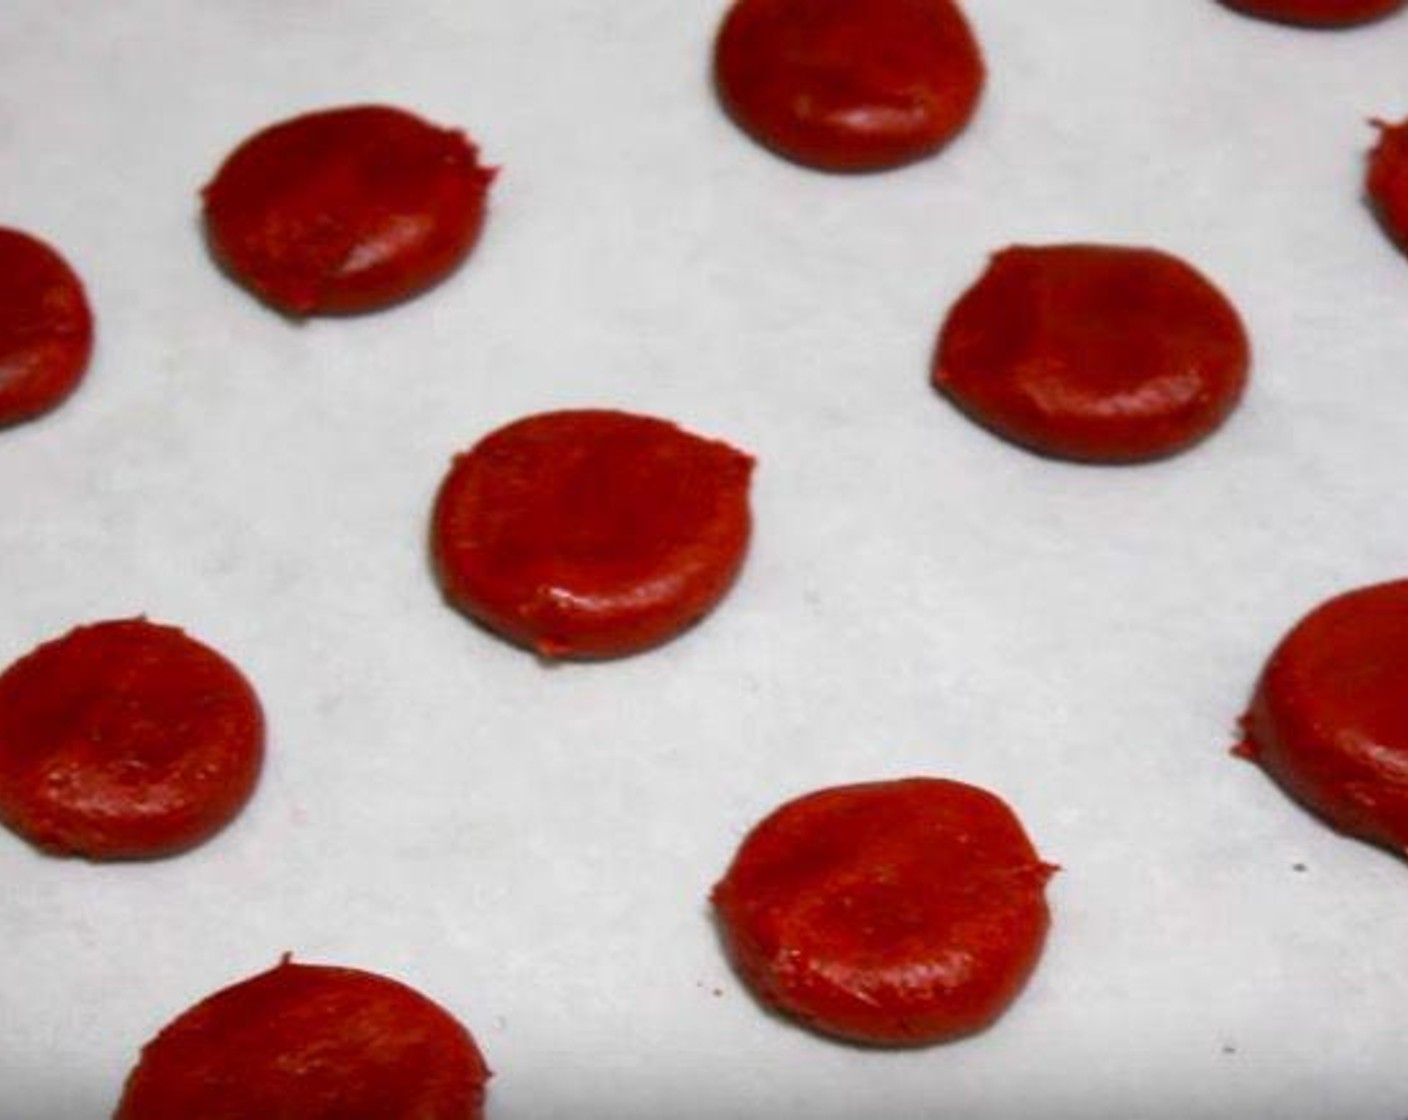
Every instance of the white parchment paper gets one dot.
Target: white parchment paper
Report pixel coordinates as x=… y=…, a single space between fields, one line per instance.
x=532 y=846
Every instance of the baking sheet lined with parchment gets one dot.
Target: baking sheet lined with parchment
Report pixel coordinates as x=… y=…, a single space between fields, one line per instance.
x=532 y=846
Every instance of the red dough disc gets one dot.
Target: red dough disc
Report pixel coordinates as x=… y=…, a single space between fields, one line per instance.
x=125 y=740
x=309 y=1042
x=346 y=210
x=46 y=328
x=1094 y=352
x=591 y=533
x=1329 y=720
x=1387 y=183
x=1317 y=13
x=849 y=85
x=901 y=912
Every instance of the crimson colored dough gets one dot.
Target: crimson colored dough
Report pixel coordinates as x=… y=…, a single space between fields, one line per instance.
x=46 y=328
x=591 y=533
x=125 y=740
x=1317 y=13
x=346 y=210
x=1329 y=719
x=1388 y=180
x=849 y=85
x=1094 y=352
x=309 y=1042
x=892 y=913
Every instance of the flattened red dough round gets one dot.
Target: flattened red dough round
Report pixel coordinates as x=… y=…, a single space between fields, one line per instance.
x=1329 y=720
x=893 y=913
x=46 y=328
x=1317 y=13
x=346 y=210
x=591 y=533
x=309 y=1042
x=125 y=740
x=1387 y=183
x=849 y=85
x=1094 y=352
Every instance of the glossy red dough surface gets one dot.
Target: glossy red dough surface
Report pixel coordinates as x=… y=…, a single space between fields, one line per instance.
x=1317 y=13
x=125 y=740
x=591 y=533
x=1387 y=183
x=46 y=328
x=849 y=85
x=892 y=913
x=1093 y=352
x=1329 y=720
x=346 y=210
x=309 y=1042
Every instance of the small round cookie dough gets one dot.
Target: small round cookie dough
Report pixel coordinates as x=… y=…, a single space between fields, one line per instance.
x=848 y=85
x=892 y=913
x=46 y=328
x=125 y=740
x=311 y=1042
x=1329 y=719
x=591 y=533
x=1317 y=13
x=1096 y=353
x=346 y=210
